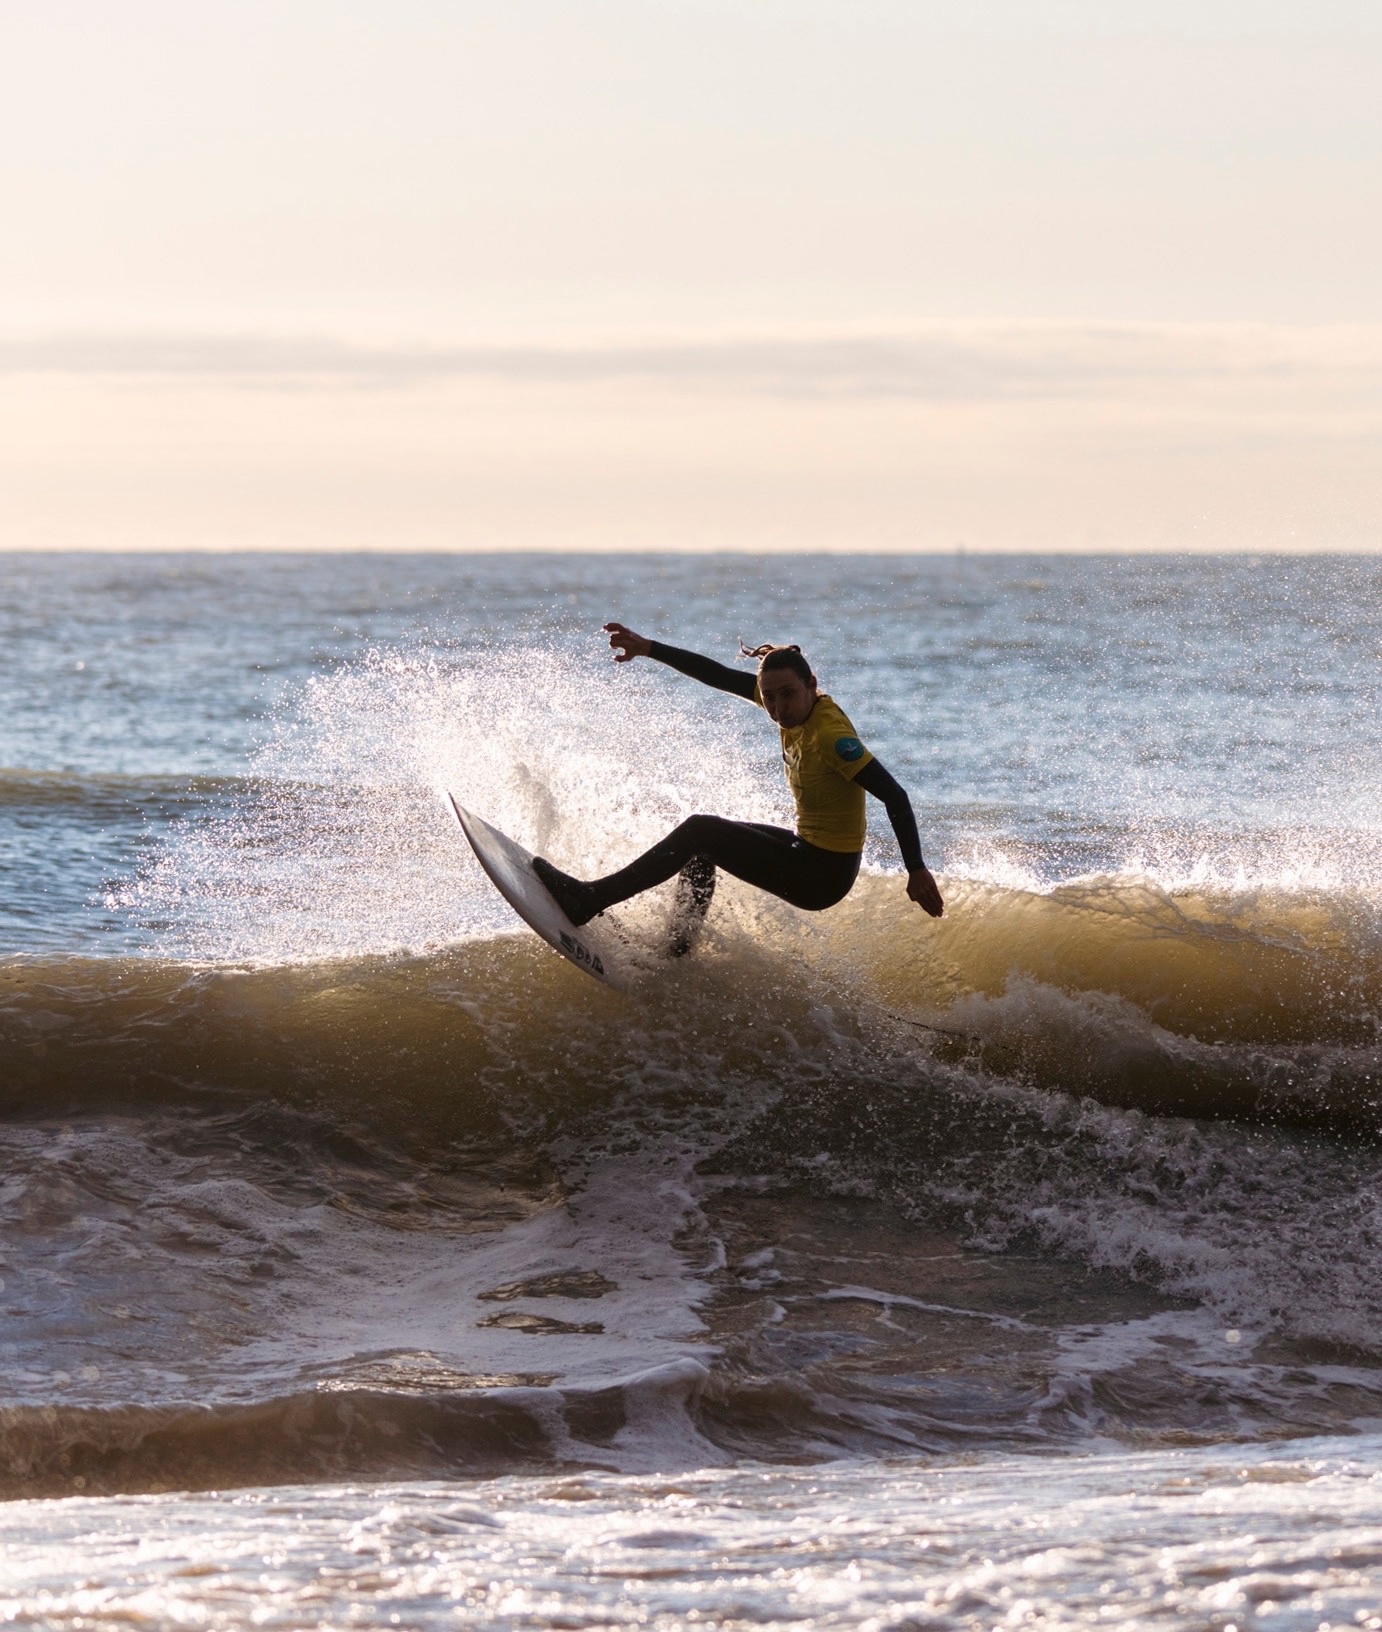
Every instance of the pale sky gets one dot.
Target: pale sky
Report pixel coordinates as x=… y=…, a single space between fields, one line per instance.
x=628 y=273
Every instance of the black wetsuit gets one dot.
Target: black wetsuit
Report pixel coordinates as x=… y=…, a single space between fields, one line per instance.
x=770 y=858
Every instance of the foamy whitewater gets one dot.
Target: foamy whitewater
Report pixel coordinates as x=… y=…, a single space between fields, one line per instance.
x=365 y=1264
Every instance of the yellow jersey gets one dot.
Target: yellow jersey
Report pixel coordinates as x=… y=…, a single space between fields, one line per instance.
x=822 y=757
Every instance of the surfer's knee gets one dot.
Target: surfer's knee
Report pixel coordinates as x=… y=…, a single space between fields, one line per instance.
x=697 y=831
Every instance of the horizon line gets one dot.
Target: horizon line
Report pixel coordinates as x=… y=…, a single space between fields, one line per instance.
x=954 y=551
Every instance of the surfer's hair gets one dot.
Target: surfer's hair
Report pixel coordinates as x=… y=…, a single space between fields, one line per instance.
x=780 y=657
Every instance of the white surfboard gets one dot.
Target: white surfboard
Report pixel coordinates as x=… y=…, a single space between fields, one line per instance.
x=510 y=867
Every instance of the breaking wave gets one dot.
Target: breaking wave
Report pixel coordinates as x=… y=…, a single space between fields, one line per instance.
x=345 y=1174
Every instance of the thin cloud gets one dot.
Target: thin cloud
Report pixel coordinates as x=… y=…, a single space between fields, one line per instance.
x=969 y=365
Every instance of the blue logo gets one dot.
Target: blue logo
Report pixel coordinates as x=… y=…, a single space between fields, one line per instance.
x=849 y=748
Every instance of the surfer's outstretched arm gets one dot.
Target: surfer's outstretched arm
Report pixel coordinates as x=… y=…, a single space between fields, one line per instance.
x=921 y=887
x=628 y=645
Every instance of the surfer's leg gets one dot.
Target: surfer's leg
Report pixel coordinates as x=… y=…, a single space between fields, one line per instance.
x=580 y=901
x=772 y=858
x=697 y=836
x=776 y=860
x=695 y=891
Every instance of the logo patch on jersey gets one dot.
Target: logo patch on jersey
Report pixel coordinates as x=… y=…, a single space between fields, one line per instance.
x=849 y=748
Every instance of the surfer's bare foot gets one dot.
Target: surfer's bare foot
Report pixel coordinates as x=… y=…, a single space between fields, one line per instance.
x=576 y=900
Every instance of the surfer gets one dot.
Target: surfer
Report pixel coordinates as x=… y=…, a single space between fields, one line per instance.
x=828 y=770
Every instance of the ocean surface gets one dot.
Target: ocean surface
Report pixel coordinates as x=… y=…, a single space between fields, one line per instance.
x=362 y=1263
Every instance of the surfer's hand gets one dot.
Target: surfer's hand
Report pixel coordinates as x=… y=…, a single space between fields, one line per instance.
x=625 y=643
x=922 y=889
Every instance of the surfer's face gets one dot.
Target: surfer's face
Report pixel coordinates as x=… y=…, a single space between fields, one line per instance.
x=786 y=696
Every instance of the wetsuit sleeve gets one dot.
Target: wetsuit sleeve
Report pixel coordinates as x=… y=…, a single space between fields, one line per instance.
x=704 y=669
x=883 y=785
